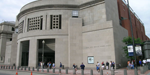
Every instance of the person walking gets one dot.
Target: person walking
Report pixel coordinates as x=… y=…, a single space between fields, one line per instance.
x=107 y=65
x=103 y=65
x=113 y=65
x=60 y=65
x=75 y=67
x=97 y=68
x=82 y=66
x=53 y=65
x=49 y=65
x=140 y=62
x=98 y=65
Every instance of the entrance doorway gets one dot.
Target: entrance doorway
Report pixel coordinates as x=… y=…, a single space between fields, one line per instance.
x=25 y=53
x=49 y=51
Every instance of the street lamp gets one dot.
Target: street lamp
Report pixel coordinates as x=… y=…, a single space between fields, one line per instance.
x=43 y=55
x=132 y=38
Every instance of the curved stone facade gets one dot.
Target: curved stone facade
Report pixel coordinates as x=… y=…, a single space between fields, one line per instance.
x=69 y=39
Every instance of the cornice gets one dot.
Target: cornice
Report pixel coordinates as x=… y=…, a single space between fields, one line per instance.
x=60 y=6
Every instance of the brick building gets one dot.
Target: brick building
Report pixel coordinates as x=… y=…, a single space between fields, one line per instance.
x=138 y=26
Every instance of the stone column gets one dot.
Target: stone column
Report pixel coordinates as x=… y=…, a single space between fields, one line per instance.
x=3 y=45
x=44 y=22
x=48 y=22
x=33 y=53
x=75 y=50
x=19 y=54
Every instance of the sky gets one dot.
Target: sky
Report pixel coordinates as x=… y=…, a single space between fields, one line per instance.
x=10 y=8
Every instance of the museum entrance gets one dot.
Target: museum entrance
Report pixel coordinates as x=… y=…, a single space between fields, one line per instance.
x=48 y=48
x=25 y=53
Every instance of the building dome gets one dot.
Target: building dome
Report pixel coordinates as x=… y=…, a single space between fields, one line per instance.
x=40 y=3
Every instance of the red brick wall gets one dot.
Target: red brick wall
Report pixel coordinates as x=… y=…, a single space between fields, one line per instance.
x=138 y=28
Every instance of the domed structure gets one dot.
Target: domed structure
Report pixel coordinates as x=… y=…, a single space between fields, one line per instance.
x=67 y=31
x=74 y=31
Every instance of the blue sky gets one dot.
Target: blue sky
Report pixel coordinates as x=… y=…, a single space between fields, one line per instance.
x=10 y=8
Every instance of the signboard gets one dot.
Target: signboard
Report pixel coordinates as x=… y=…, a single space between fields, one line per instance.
x=130 y=50
x=90 y=59
x=138 y=50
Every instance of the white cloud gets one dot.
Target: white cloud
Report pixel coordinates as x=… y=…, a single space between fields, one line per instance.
x=141 y=8
x=10 y=9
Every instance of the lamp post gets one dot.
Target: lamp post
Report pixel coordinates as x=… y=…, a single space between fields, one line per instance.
x=132 y=34
x=43 y=55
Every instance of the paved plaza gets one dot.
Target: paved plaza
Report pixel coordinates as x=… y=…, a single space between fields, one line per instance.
x=70 y=72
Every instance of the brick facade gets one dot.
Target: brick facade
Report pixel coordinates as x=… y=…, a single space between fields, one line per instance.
x=138 y=27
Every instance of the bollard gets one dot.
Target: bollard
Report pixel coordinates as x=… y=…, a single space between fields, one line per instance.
x=53 y=70
x=62 y=66
x=21 y=68
x=28 y=68
x=47 y=69
x=1 y=67
x=142 y=70
x=59 y=70
x=135 y=72
x=101 y=72
x=67 y=71
x=112 y=72
x=125 y=72
x=82 y=72
x=74 y=71
x=25 y=68
x=14 y=67
x=17 y=68
x=11 y=67
x=37 y=69
x=8 y=67
x=91 y=72
x=32 y=68
x=5 y=67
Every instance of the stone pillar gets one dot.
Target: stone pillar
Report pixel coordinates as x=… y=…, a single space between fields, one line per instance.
x=33 y=53
x=75 y=51
x=3 y=45
x=48 y=22
x=19 y=54
x=44 y=22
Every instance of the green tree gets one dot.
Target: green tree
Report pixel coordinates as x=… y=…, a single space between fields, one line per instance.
x=128 y=41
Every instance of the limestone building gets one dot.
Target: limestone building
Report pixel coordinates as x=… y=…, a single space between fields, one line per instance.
x=74 y=31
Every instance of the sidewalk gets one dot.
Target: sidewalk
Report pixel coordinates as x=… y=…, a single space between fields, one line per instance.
x=70 y=72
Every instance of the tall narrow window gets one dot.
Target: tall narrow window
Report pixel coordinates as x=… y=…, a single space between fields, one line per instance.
x=55 y=22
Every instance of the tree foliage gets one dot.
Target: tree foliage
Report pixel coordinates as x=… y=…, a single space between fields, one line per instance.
x=128 y=41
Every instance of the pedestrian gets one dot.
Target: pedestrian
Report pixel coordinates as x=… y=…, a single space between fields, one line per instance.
x=97 y=68
x=49 y=65
x=60 y=65
x=103 y=65
x=98 y=65
x=128 y=64
x=144 y=62
x=82 y=66
x=107 y=65
x=113 y=65
x=110 y=65
x=140 y=62
x=75 y=67
x=53 y=65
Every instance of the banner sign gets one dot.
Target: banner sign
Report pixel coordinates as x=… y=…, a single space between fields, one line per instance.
x=138 y=50
x=130 y=50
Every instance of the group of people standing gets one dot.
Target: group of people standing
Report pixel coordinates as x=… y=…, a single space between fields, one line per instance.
x=110 y=65
x=82 y=66
x=49 y=65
